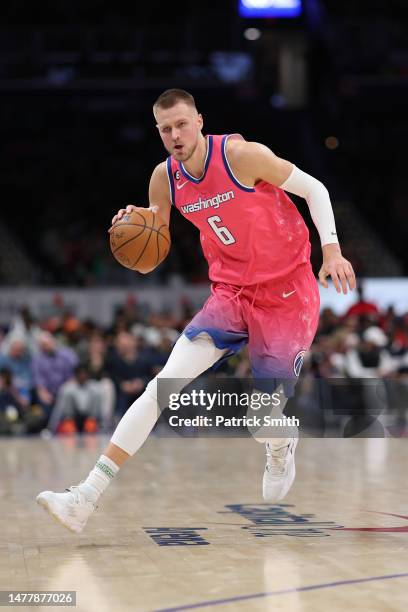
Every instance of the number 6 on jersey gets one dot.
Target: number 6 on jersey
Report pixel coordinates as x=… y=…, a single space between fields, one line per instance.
x=221 y=232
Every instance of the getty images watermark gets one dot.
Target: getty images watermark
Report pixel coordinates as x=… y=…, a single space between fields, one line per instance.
x=222 y=399
x=275 y=408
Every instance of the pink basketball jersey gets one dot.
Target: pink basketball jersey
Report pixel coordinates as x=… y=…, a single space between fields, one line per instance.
x=248 y=235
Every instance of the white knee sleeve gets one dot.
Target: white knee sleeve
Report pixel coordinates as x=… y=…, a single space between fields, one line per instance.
x=188 y=359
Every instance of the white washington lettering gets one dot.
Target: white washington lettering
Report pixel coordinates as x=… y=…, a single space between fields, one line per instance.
x=213 y=202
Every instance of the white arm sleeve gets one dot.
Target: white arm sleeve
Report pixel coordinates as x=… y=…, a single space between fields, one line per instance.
x=318 y=199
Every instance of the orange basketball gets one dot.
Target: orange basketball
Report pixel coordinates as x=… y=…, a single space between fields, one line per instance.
x=140 y=240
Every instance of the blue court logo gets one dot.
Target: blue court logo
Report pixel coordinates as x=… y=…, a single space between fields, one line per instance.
x=298 y=362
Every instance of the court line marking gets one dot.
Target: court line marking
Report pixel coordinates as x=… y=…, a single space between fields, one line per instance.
x=312 y=587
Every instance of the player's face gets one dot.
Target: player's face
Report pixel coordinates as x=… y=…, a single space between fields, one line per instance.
x=179 y=128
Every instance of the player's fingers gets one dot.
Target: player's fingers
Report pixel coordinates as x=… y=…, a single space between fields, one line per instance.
x=351 y=277
x=118 y=216
x=114 y=219
x=322 y=279
x=154 y=208
x=343 y=280
x=130 y=208
x=335 y=280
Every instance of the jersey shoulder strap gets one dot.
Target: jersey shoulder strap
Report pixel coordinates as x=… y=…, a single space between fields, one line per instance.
x=224 y=140
x=170 y=178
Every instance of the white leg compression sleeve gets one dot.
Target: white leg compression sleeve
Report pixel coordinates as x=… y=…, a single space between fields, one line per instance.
x=188 y=359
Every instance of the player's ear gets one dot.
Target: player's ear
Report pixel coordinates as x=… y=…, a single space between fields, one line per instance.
x=200 y=120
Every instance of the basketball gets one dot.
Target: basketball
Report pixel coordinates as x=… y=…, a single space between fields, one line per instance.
x=140 y=240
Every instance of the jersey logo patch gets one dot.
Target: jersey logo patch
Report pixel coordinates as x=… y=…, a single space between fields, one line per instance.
x=298 y=362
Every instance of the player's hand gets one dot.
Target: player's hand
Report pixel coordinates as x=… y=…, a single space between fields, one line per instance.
x=338 y=268
x=129 y=208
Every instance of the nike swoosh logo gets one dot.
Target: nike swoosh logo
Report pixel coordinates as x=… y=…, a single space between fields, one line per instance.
x=182 y=185
x=285 y=295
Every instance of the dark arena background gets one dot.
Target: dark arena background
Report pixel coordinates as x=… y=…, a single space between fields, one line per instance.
x=183 y=526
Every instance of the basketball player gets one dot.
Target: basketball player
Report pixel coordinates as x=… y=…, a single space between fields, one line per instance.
x=263 y=294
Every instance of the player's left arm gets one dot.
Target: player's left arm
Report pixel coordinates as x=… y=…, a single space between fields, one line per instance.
x=253 y=162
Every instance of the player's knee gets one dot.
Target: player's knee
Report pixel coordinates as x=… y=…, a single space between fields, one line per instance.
x=160 y=387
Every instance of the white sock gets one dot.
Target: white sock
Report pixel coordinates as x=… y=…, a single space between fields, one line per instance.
x=99 y=478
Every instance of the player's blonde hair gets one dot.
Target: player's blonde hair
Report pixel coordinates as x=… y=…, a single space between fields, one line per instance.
x=170 y=97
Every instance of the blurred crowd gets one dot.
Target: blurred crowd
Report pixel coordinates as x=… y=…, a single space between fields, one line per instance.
x=63 y=375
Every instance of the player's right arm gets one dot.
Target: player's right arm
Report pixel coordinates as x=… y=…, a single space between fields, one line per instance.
x=159 y=196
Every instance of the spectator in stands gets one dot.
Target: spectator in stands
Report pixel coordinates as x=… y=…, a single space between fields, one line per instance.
x=78 y=405
x=370 y=359
x=128 y=369
x=120 y=323
x=399 y=335
x=11 y=409
x=24 y=327
x=325 y=360
x=362 y=307
x=95 y=356
x=18 y=361
x=155 y=344
x=52 y=366
x=98 y=372
x=87 y=331
x=71 y=329
x=328 y=322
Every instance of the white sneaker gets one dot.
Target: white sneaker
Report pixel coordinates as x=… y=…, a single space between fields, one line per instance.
x=280 y=470
x=71 y=508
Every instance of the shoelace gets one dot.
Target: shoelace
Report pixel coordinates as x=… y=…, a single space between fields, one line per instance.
x=76 y=492
x=276 y=460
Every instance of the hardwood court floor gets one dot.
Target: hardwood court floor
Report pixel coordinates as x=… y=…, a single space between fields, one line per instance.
x=228 y=551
